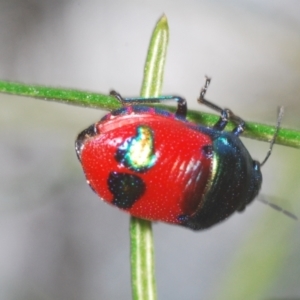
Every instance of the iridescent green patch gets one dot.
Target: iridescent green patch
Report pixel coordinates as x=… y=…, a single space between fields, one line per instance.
x=137 y=153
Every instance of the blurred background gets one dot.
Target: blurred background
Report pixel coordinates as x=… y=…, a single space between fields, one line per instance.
x=57 y=239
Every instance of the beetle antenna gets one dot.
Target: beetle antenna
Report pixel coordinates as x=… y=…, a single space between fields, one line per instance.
x=278 y=208
x=279 y=118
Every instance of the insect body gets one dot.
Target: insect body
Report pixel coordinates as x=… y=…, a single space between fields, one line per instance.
x=158 y=166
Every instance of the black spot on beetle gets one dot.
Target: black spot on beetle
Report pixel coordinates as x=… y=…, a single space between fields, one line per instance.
x=126 y=188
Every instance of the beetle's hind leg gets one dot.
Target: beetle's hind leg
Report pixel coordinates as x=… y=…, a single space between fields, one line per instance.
x=226 y=114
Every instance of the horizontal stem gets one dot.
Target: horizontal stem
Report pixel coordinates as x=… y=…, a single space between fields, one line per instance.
x=70 y=96
x=262 y=132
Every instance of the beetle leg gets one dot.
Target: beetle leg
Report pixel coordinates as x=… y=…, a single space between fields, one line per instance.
x=181 y=102
x=226 y=114
x=117 y=96
x=181 y=107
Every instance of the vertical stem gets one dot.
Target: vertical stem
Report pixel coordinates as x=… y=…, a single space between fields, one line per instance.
x=142 y=252
x=155 y=62
x=142 y=260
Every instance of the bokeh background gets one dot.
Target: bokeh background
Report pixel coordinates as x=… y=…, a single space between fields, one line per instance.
x=57 y=239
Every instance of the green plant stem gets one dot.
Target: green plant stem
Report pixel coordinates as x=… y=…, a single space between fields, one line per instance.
x=142 y=260
x=142 y=252
x=70 y=96
x=262 y=132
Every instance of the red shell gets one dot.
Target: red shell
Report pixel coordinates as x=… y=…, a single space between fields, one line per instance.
x=176 y=182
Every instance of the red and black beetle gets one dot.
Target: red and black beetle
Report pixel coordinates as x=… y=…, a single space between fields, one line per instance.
x=158 y=166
